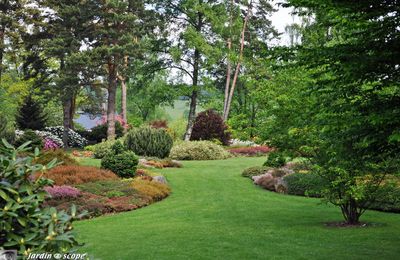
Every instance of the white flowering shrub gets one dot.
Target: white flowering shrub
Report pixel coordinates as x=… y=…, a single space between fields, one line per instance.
x=74 y=139
x=44 y=135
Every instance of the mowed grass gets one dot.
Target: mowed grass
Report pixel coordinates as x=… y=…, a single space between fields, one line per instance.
x=214 y=213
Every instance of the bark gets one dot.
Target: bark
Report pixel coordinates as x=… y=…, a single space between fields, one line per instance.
x=67 y=104
x=228 y=77
x=237 y=70
x=123 y=104
x=2 y=36
x=112 y=92
x=192 y=115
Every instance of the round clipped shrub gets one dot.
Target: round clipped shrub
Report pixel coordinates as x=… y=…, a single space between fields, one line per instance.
x=147 y=141
x=275 y=159
x=101 y=149
x=209 y=125
x=29 y=135
x=254 y=171
x=199 y=150
x=123 y=164
x=305 y=184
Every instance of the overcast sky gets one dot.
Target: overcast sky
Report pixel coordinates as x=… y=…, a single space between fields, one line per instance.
x=280 y=19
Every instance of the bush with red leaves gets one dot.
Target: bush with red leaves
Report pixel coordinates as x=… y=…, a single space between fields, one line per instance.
x=209 y=125
x=251 y=150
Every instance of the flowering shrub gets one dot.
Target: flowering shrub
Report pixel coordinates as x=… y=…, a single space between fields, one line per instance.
x=50 y=145
x=52 y=139
x=72 y=174
x=74 y=139
x=251 y=150
x=62 y=191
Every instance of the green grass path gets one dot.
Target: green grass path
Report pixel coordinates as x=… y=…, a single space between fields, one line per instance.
x=214 y=213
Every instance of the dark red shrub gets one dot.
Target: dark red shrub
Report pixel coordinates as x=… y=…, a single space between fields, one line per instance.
x=159 y=124
x=209 y=125
x=251 y=150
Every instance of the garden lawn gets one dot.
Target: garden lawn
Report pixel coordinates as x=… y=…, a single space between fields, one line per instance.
x=214 y=213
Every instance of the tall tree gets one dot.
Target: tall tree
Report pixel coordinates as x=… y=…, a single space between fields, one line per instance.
x=191 y=45
x=30 y=115
x=352 y=50
x=117 y=29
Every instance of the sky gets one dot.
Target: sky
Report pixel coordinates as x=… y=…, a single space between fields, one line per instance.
x=280 y=19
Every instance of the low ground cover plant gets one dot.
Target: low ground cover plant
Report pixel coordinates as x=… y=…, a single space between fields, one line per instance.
x=75 y=174
x=198 y=150
x=250 y=150
x=62 y=157
x=254 y=171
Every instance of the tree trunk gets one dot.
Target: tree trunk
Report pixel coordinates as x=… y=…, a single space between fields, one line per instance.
x=112 y=92
x=228 y=77
x=235 y=77
x=193 y=98
x=2 y=36
x=123 y=104
x=67 y=120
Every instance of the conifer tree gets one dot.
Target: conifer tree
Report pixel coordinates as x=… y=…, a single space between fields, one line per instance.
x=30 y=115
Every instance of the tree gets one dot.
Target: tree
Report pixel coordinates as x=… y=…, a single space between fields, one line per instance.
x=190 y=50
x=30 y=115
x=117 y=30
x=351 y=49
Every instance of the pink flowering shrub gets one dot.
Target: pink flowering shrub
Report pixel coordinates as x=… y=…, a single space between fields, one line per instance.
x=62 y=191
x=50 y=145
x=251 y=150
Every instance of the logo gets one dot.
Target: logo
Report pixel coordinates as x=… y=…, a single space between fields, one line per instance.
x=8 y=254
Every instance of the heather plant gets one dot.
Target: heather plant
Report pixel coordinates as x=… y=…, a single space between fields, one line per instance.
x=62 y=191
x=62 y=157
x=74 y=174
x=209 y=125
x=147 y=141
x=25 y=225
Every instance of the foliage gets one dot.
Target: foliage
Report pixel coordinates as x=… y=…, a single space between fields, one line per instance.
x=123 y=164
x=59 y=154
x=74 y=139
x=25 y=225
x=98 y=133
x=148 y=141
x=30 y=115
x=107 y=186
x=251 y=150
x=177 y=129
x=30 y=136
x=73 y=174
x=6 y=131
x=62 y=191
x=254 y=171
x=198 y=150
x=153 y=190
x=305 y=184
x=159 y=124
x=275 y=159
x=209 y=125
x=101 y=149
